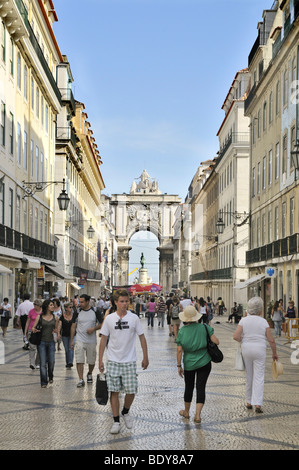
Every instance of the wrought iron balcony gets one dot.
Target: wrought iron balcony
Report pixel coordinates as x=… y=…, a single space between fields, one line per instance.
x=284 y=247
x=18 y=241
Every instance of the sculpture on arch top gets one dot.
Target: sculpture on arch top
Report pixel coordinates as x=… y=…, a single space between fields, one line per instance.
x=146 y=185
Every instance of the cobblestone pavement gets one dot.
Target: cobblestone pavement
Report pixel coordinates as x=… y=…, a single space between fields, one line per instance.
x=65 y=417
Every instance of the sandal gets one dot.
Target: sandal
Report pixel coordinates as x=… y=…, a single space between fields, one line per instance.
x=183 y=414
x=258 y=409
x=249 y=407
x=197 y=420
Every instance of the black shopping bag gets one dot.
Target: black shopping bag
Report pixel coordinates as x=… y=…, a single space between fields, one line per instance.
x=101 y=389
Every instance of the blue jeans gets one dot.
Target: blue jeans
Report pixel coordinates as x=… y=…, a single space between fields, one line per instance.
x=46 y=351
x=277 y=326
x=150 y=318
x=69 y=353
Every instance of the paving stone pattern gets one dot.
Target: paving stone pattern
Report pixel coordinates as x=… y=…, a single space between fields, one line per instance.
x=65 y=417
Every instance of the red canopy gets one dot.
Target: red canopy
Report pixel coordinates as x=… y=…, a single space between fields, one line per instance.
x=145 y=288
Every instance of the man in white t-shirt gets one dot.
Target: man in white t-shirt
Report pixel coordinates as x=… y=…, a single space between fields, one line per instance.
x=121 y=327
x=85 y=328
x=185 y=302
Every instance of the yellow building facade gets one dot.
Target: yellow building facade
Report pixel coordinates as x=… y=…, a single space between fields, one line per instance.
x=272 y=106
x=30 y=101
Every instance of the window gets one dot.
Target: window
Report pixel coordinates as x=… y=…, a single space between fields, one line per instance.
x=31 y=220
x=19 y=70
x=32 y=93
x=269 y=226
x=10 y=207
x=259 y=123
x=2 y=128
x=25 y=221
x=47 y=118
x=41 y=231
x=265 y=116
x=19 y=144
x=277 y=161
x=18 y=213
x=11 y=57
x=3 y=41
x=277 y=102
x=42 y=167
x=11 y=134
x=36 y=222
x=2 y=203
x=25 y=151
x=37 y=102
x=276 y=222
x=31 y=157
x=253 y=182
x=292 y=215
x=270 y=167
x=37 y=163
x=264 y=172
x=284 y=154
x=25 y=82
x=42 y=109
x=263 y=229
x=283 y=219
x=293 y=142
x=258 y=186
x=285 y=88
x=271 y=107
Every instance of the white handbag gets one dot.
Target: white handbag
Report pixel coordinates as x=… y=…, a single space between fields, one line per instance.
x=239 y=365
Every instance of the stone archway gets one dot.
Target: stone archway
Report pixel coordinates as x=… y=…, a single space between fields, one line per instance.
x=145 y=208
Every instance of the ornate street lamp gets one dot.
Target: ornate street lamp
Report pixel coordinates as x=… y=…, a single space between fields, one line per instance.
x=63 y=199
x=31 y=187
x=220 y=226
x=295 y=159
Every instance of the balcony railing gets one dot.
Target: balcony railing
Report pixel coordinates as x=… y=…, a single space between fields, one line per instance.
x=65 y=134
x=15 y=240
x=284 y=247
x=67 y=96
x=237 y=138
x=214 y=274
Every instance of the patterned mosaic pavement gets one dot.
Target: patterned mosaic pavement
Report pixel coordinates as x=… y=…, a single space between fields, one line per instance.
x=64 y=417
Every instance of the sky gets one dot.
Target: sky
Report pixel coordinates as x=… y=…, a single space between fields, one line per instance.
x=153 y=76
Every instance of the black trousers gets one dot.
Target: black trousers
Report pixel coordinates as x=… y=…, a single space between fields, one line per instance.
x=201 y=376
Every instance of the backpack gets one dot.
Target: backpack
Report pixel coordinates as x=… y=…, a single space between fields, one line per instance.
x=175 y=312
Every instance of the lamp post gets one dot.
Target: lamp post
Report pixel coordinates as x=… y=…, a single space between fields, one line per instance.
x=31 y=187
x=90 y=230
x=295 y=159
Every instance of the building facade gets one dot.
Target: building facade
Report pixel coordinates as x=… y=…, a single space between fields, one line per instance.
x=30 y=101
x=272 y=107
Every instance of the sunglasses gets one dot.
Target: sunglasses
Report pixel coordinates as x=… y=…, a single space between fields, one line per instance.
x=119 y=324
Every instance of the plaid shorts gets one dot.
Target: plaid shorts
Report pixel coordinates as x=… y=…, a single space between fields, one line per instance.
x=121 y=377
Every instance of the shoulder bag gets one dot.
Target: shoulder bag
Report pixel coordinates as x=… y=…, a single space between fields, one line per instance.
x=35 y=338
x=213 y=350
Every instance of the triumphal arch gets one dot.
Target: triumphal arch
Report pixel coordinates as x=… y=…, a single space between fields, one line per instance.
x=145 y=208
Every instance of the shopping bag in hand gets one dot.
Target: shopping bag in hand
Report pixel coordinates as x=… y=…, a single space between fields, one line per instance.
x=101 y=389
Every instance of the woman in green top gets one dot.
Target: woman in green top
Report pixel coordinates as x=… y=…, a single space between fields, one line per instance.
x=192 y=345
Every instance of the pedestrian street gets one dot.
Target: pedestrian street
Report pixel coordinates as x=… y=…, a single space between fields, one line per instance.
x=64 y=417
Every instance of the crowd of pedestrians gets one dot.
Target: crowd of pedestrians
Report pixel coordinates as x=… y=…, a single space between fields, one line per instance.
x=77 y=323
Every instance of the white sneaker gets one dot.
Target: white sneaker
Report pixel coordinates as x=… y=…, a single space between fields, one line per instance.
x=115 y=428
x=128 y=420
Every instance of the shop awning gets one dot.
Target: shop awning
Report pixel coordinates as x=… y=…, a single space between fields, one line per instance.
x=33 y=263
x=250 y=281
x=59 y=273
x=4 y=270
x=75 y=286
